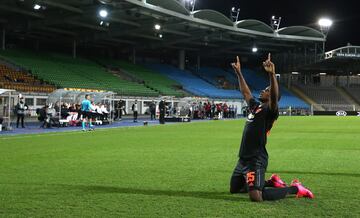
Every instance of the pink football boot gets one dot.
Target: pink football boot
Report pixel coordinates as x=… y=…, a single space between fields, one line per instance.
x=276 y=181
x=302 y=191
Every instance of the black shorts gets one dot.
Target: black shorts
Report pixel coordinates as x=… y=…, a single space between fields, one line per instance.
x=247 y=178
x=86 y=114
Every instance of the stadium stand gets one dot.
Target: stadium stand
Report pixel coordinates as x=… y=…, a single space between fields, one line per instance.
x=216 y=76
x=258 y=82
x=354 y=92
x=323 y=95
x=66 y=72
x=150 y=78
x=21 y=81
x=194 y=84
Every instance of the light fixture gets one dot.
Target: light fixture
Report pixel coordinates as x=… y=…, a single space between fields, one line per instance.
x=322 y=74
x=37 y=7
x=160 y=35
x=275 y=22
x=254 y=49
x=234 y=14
x=104 y=23
x=325 y=23
x=103 y=13
x=157 y=26
x=295 y=73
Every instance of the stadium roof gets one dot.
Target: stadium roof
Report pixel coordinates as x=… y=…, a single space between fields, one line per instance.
x=300 y=31
x=340 y=61
x=213 y=16
x=170 y=5
x=255 y=25
x=130 y=23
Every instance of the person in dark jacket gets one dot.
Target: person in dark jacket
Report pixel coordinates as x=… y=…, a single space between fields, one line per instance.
x=162 y=109
x=152 y=108
x=20 y=109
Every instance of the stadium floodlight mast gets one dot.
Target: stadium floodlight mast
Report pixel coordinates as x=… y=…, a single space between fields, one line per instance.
x=325 y=25
x=190 y=4
x=275 y=22
x=234 y=14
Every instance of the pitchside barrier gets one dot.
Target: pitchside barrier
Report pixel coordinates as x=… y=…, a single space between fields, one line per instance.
x=335 y=110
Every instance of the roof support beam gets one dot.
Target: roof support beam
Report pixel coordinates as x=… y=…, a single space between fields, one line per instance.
x=89 y=26
x=145 y=36
x=62 y=6
x=20 y=11
x=121 y=41
x=123 y=21
x=56 y=30
x=165 y=30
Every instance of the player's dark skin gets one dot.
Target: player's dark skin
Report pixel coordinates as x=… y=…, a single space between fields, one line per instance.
x=269 y=96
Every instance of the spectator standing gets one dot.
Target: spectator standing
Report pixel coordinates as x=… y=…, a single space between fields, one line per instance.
x=213 y=108
x=118 y=110
x=152 y=108
x=134 y=108
x=162 y=109
x=20 y=109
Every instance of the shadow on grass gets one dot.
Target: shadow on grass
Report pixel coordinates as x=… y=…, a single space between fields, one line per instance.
x=93 y=189
x=314 y=173
x=170 y=193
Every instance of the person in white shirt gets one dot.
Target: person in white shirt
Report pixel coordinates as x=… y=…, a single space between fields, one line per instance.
x=104 y=111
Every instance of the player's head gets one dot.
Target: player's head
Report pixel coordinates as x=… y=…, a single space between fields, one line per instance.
x=265 y=95
x=87 y=97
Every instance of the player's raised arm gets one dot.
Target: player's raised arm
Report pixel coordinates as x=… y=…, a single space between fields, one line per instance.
x=242 y=83
x=274 y=87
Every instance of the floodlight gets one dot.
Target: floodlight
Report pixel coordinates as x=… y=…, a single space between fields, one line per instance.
x=254 y=49
x=103 y=13
x=325 y=22
x=157 y=26
x=37 y=7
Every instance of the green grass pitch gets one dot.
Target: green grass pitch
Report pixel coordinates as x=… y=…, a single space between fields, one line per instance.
x=178 y=170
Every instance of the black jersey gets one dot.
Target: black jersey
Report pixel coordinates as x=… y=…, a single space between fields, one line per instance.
x=259 y=122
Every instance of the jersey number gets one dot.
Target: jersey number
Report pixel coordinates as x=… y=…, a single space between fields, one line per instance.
x=250 y=178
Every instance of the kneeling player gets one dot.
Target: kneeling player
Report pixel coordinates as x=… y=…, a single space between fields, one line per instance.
x=249 y=174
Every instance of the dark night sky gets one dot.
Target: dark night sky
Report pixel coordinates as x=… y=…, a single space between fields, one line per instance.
x=345 y=14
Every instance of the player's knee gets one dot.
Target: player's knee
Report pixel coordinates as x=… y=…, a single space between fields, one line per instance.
x=235 y=190
x=255 y=196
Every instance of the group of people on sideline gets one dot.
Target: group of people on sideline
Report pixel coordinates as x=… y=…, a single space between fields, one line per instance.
x=211 y=110
x=87 y=112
